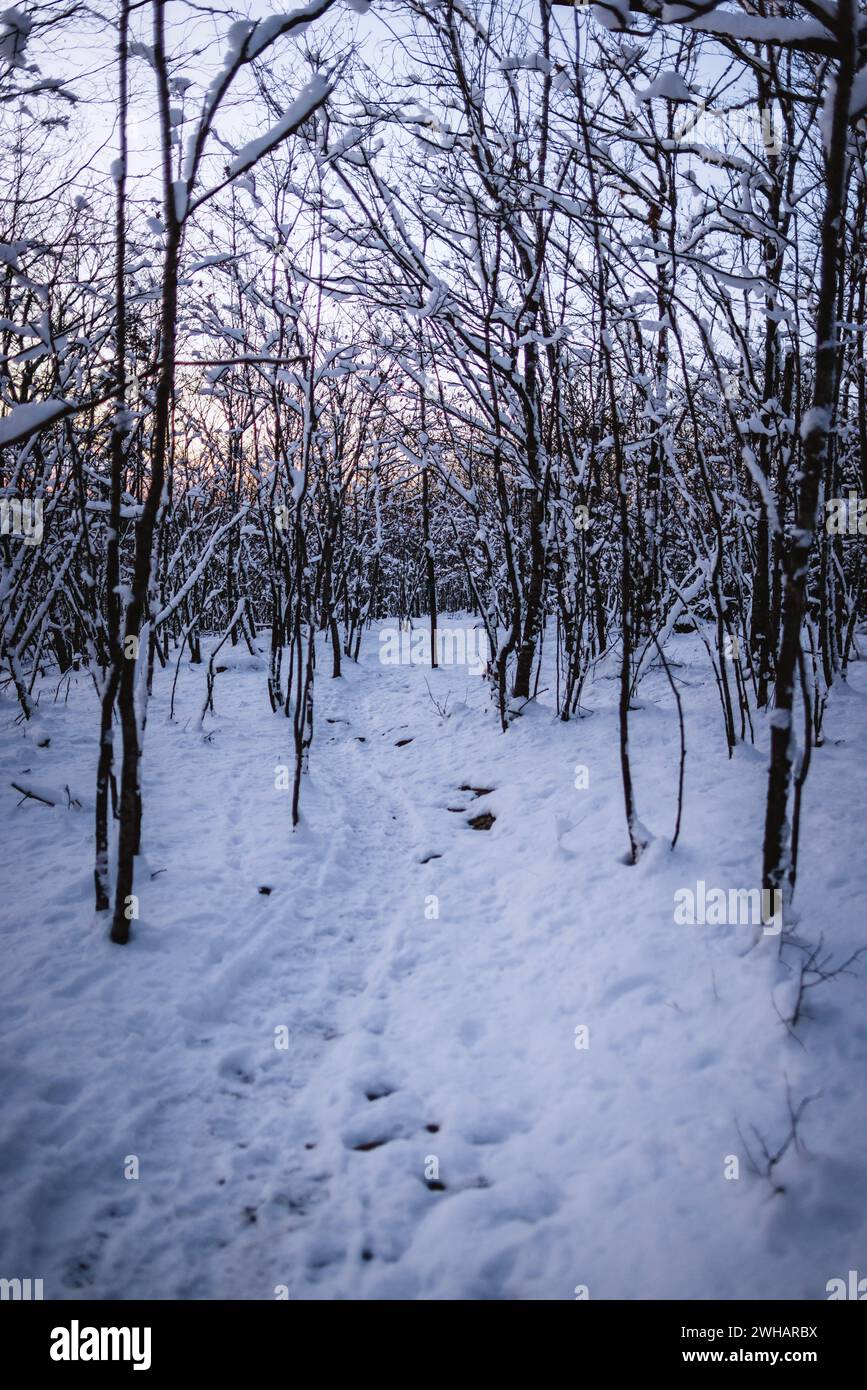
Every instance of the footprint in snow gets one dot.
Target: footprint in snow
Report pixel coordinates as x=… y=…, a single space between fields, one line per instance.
x=236 y=1066
x=626 y=986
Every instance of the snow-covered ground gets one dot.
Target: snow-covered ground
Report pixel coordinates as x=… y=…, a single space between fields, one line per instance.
x=434 y=1126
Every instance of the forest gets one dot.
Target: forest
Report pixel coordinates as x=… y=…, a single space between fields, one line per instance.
x=414 y=407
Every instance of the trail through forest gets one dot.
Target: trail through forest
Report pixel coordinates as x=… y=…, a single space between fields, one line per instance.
x=430 y=1061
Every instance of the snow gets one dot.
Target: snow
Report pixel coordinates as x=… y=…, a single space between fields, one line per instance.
x=220 y=258
x=669 y=85
x=20 y=330
x=613 y=15
x=528 y=62
x=444 y=1040
x=180 y=198
x=858 y=100
x=826 y=113
x=818 y=417
x=258 y=35
x=746 y=26
x=309 y=98
x=10 y=251
x=568 y=1067
x=24 y=420
x=16 y=32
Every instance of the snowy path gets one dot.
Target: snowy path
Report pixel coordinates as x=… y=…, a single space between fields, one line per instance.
x=431 y=1130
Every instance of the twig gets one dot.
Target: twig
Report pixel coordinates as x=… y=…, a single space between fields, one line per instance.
x=34 y=796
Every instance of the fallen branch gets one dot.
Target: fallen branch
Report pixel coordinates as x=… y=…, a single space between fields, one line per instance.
x=26 y=793
x=45 y=795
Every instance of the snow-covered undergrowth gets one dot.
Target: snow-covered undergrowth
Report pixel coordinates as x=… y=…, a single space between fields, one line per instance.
x=430 y=1061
